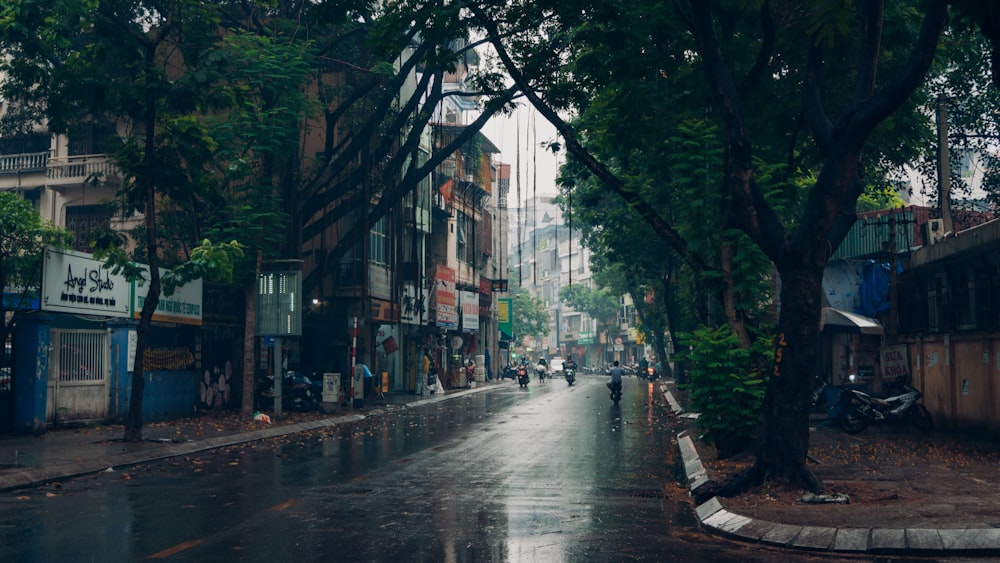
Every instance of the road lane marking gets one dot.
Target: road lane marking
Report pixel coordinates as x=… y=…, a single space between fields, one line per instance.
x=171 y=551
x=285 y=505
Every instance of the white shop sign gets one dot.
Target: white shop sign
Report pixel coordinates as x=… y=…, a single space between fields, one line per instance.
x=182 y=307
x=73 y=282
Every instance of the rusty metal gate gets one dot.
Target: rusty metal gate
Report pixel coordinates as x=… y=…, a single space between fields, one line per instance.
x=79 y=375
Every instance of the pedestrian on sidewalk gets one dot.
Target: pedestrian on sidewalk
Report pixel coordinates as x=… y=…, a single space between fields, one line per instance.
x=489 y=366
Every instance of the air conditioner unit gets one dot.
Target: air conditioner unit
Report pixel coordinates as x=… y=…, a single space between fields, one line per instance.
x=934 y=231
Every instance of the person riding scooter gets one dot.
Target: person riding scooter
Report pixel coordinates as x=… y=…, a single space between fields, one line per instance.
x=542 y=368
x=615 y=385
x=522 y=373
x=569 y=363
x=569 y=370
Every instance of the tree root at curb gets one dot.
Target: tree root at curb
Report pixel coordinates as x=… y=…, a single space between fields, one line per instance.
x=741 y=482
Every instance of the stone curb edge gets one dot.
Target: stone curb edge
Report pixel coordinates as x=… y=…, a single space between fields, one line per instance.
x=713 y=517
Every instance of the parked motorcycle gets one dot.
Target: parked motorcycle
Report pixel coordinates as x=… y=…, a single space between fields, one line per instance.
x=859 y=409
x=616 y=390
x=508 y=372
x=570 y=375
x=522 y=375
x=298 y=393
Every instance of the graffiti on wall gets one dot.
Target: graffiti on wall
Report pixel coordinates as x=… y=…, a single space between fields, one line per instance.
x=215 y=387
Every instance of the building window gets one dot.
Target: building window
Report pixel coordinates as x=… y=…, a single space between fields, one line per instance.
x=84 y=220
x=965 y=313
x=985 y=300
x=465 y=232
x=89 y=138
x=378 y=249
x=25 y=144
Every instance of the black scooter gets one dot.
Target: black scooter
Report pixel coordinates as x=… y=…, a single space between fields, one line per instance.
x=616 y=390
x=522 y=375
x=298 y=393
x=570 y=375
x=509 y=372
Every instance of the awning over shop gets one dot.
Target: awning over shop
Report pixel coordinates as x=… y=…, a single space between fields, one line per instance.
x=835 y=320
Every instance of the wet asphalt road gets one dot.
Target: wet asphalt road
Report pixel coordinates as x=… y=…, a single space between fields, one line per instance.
x=551 y=474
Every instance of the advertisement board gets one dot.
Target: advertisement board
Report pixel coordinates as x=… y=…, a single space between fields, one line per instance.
x=183 y=306
x=73 y=282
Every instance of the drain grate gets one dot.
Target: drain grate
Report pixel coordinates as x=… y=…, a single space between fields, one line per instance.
x=646 y=493
x=356 y=491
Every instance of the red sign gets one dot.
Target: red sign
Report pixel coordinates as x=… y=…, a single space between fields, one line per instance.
x=383 y=311
x=443 y=299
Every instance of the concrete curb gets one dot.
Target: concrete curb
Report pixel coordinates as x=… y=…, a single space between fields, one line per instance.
x=713 y=517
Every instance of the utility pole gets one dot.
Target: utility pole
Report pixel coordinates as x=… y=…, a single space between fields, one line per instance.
x=944 y=165
x=892 y=280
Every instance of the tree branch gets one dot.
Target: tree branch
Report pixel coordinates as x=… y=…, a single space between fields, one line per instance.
x=883 y=103
x=643 y=208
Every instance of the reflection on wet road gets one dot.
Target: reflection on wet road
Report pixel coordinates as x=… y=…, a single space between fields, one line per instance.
x=551 y=473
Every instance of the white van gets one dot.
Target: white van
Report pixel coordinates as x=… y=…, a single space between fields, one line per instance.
x=556 y=364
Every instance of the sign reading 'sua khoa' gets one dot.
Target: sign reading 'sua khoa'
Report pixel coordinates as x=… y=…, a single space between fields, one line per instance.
x=73 y=282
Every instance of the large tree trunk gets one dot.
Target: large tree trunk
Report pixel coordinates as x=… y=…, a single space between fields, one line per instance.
x=785 y=424
x=133 y=424
x=734 y=318
x=800 y=255
x=249 y=328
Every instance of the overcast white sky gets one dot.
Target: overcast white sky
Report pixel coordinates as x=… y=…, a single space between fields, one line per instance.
x=538 y=165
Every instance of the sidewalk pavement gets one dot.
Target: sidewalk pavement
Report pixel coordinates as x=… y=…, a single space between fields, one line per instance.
x=910 y=494
x=32 y=460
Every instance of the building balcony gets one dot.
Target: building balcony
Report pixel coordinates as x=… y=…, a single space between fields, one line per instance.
x=72 y=170
x=36 y=169
x=27 y=163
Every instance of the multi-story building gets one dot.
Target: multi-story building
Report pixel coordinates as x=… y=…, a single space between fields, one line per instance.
x=68 y=178
x=417 y=292
x=85 y=316
x=380 y=304
x=547 y=257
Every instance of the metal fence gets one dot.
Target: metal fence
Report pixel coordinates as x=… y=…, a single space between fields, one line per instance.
x=82 y=355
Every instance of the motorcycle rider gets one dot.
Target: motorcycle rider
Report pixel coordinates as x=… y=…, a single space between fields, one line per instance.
x=569 y=363
x=616 y=373
x=542 y=368
x=470 y=372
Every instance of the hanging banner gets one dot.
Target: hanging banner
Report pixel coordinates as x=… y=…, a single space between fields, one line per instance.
x=385 y=340
x=470 y=311
x=895 y=362
x=505 y=318
x=443 y=299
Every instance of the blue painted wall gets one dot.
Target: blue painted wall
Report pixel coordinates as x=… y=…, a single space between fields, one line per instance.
x=167 y=394
x=31 y=372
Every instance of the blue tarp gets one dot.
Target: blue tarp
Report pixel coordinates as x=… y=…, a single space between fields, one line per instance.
x=874 y=291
